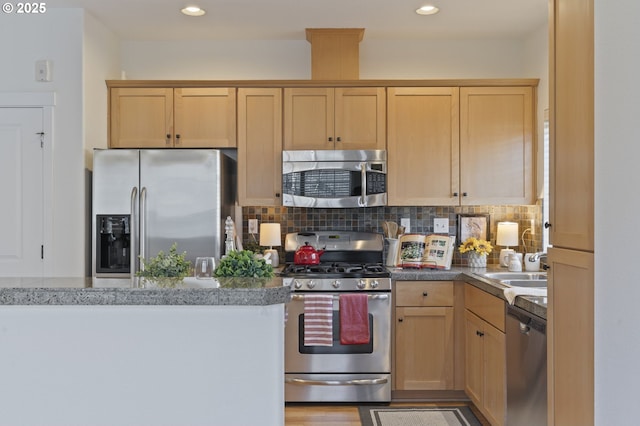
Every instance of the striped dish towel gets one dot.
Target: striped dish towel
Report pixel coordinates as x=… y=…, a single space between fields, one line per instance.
x=318 y=320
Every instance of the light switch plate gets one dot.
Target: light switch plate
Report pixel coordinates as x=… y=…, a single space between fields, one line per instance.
x=43 y=70
x=253 y=226
x=406 y=222
x=441 y=225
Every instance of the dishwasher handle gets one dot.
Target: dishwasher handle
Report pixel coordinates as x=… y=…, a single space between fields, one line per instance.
x=527 y=320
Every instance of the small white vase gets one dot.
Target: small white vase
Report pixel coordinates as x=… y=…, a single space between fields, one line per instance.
x=477 y=260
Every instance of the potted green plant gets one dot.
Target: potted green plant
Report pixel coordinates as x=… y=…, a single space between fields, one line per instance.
x=242 y=269
x=165 y=270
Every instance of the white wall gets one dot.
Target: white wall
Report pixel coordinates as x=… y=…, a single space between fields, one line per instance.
x=216 y=60
x=56 y=36
x=441 y=59
x=101 y=61
x=276 y=60
x=617 y=177
x=536 y=62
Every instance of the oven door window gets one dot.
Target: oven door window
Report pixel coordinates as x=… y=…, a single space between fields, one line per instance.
x=337 y=348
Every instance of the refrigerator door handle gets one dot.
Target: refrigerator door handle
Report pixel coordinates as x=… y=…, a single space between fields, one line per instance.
x=133 y=233
x=143 y=224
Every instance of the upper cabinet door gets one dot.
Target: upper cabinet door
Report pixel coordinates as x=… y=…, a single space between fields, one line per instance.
x=360 y=118
x=141 y=118
x=496 y=145
x=259 y=146
x=167 y=118
x=571 y=154
x=423 y=146
x=328 y=118
x=205 y=118
x=308 y=118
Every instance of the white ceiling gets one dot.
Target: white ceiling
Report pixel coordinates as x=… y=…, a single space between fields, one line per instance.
x=287 y=19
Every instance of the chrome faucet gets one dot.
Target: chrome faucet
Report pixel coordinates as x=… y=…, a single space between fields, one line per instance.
x=537 y=256
x=540 y=256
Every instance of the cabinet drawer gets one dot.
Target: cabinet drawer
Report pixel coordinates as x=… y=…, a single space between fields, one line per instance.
x=486 y=306
x=424 y=293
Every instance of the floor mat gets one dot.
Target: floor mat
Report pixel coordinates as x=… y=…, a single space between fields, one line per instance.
x=460 y=415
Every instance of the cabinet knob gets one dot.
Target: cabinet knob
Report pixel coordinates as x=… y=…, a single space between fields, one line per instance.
x=425 y=294
x=400 y=319
x=464 y=194
x=455 y=194
x=547 y=225
x=479 y=333
x=277 y=195
x=338 y=139
x=330 y=139
x=177 y=139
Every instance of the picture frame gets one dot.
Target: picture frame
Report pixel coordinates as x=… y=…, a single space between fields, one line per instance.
x=473 y=225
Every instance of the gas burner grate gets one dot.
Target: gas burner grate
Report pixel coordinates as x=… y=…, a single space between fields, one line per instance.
x=349 y=269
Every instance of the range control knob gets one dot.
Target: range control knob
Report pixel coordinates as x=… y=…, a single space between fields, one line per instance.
x=362 y=283
x=336 y=284
x=375 y=284
x=297 y=284
x=311 y=283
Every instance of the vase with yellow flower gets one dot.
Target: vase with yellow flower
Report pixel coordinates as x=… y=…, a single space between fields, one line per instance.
x=477 y=250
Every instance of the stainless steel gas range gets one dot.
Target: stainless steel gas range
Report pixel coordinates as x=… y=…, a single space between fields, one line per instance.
x=337 y=369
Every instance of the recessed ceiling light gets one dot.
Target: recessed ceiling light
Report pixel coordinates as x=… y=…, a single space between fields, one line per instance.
x=193 y=11
x=427 y=10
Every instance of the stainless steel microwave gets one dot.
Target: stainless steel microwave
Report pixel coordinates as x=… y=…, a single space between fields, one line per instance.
x=334 y=178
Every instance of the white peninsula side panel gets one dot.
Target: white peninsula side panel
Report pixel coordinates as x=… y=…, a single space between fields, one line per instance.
x=142 y=365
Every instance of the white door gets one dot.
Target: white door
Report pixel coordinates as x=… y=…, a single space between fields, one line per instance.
x=21 y=192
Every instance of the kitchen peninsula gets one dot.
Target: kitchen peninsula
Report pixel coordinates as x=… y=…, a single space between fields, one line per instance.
x=85 y=353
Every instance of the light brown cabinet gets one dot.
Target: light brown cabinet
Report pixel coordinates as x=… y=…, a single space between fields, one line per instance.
x=424 y=335
x=496 y=145
x=168 y=117
x=423 y=146
x=460 y=146
x=570 y=311
x=571 y=153
x=259 y=146
x=485 y=353
x=334 y=118
x=570 y=337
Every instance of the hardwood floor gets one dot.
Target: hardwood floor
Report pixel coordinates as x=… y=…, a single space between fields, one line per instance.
x=346 y=415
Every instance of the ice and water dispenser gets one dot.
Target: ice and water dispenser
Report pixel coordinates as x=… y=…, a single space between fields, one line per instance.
x=113 y=244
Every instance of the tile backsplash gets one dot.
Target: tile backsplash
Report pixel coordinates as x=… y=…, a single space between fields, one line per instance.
x=294 y=219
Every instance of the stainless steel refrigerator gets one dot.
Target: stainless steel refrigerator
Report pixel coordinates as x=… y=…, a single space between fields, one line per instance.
x=145 y=200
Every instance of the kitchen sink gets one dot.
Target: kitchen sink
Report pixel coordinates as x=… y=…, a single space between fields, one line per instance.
x=530 y=276
x=519 y=279
x=525 y=283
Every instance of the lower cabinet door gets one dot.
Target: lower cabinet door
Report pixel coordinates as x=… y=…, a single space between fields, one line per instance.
x=495 y=376
x=424 y=348
x=485 y=368
x=473 y=358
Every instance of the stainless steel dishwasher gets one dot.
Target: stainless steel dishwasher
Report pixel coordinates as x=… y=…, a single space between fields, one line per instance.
x=526 y=368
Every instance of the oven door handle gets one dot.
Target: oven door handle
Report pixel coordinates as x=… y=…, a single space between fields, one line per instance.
x=357 y=382
x=336 y=297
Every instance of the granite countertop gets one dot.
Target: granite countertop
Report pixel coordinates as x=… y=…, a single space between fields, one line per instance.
x=114 y=291
x=473 y=276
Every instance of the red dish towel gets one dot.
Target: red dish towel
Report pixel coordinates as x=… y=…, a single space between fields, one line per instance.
x=354 y=319
x=318 y=320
